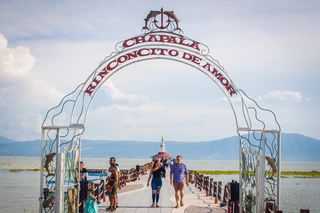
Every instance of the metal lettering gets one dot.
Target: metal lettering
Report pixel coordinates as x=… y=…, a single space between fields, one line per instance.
x=140 y=52
x=160 y=38
x=126 y=45
x=109 y=65
x=173 y=52
x=158 y=51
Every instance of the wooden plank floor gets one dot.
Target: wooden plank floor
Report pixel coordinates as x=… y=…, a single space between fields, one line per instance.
x=136 y=198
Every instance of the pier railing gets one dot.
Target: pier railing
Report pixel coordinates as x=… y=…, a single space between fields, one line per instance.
x=230 y=195
x=126 y=176
x=214 y=189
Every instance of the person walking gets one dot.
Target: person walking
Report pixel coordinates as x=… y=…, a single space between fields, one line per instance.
x=138 y=170
x=156 y=182
x=164 y=163
x=171 y=163
x=178 y=174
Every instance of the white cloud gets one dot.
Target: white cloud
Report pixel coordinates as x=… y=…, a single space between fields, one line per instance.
x=6 y=94
x=282 y=96
x=233 y=100
x=23 y=94
x=111 y=109
x=117 y=95
x=22 y=126
x=40 y=93
x=150 y=119
x=14 y=62
x=30 y=122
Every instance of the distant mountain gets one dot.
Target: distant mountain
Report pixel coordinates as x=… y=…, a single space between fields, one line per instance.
x=4 y=140
x=14 y=148
x=294 y=147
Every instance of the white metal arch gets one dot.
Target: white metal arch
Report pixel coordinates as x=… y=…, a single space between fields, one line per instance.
x=81 y=103
x=68 y=119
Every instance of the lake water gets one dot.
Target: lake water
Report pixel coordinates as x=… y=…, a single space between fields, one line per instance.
x=19 y=191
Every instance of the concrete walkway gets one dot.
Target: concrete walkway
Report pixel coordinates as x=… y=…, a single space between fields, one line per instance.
x=136 y=197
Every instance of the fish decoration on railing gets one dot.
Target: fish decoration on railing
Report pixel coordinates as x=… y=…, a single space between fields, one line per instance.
x=49 y=158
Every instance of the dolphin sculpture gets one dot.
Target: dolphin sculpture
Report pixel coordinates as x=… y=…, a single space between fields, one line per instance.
x=48 y=202
x=171 y=14
x=152 y=14
x=272 y=164
x=49 y=158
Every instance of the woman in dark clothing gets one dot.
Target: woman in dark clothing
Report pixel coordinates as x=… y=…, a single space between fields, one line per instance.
x=156 y=182
x=113 y=182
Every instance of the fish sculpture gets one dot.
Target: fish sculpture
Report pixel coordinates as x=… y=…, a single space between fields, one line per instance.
x=48 y=202
x=49 y=158
x=152 y=14
x=272 y=164
x=171 y=14
x=249 y=202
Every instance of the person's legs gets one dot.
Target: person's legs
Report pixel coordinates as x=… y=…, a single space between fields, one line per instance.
x=153 y=196
x=108 y=208
x=181 y=197
x=115 y=196
x=154 y=187
x=177 y=197
x=114 y=201
x=108 y=193
x=176 y=193
x=158 y=195
x=181 y=189
x=159 y=184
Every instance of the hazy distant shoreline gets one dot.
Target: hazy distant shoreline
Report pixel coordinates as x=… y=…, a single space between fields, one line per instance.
x=294 y=147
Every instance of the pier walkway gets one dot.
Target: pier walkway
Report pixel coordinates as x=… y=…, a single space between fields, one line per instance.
x=135 y=197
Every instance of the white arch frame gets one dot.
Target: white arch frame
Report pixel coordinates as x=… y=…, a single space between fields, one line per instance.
x=168 y=46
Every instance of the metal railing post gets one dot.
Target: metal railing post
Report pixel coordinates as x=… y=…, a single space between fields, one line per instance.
x=41 y=198
x=59 y=177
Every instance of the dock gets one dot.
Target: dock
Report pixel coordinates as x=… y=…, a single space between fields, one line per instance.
x=135 y=197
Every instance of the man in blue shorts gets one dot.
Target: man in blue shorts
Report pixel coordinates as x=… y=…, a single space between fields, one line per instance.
x=178 y=174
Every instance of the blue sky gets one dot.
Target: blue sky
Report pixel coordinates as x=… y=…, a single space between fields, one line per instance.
x=270 y=49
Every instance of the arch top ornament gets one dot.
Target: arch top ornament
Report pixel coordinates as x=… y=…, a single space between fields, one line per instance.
x=161 y=20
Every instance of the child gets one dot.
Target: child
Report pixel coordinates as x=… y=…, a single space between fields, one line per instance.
x=91 y=204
